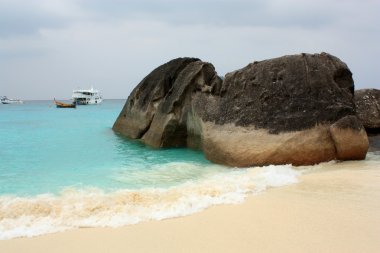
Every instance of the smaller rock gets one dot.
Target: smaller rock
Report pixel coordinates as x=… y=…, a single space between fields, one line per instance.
x=368 y=108
x=350 y=138
x=374 y=143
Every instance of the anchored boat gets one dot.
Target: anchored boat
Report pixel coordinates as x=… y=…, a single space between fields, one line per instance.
x=64 y=105
x=5 y=100
x=87 y=97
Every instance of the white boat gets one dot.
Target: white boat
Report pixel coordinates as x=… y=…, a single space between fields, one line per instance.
x=5 y=100
x=87 y=97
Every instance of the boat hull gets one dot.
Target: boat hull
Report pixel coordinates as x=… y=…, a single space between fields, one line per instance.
x=64 y=105
x=89 y=102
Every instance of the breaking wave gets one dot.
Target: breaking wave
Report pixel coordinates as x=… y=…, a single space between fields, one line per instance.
x=93 y=207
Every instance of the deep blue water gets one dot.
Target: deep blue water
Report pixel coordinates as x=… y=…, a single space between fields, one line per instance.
x=45 y=149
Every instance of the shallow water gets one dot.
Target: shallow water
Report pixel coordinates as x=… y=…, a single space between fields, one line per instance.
x=65 y=168
x=45 y=149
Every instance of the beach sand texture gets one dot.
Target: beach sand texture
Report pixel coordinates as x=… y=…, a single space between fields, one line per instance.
x=335 y=209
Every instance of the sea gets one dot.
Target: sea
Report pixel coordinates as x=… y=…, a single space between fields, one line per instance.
x=63 y=168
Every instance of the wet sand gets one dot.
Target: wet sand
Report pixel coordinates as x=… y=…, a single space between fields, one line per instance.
x=336 y=209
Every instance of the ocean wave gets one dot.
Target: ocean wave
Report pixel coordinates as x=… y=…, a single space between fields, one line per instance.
x=92 y=207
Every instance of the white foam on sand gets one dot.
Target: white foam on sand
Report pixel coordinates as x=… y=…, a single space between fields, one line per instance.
x=74 y=208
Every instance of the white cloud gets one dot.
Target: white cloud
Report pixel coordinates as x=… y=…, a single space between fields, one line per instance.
x=114 y=48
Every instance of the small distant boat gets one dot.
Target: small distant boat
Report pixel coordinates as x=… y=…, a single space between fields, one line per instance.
x=64 y=105
x=5 y=100
x=87 y=97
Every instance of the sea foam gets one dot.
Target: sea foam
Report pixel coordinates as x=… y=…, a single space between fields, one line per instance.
x=92 y=207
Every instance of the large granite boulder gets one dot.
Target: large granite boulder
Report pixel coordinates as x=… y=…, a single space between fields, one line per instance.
x=159 y=110
x=296 y=109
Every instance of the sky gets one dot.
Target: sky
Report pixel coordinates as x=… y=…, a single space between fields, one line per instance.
x=50 y=47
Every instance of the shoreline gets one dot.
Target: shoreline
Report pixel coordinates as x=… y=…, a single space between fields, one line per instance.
x=329 y=210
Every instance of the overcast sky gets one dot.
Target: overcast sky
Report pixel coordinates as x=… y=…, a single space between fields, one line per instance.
x=49 y=47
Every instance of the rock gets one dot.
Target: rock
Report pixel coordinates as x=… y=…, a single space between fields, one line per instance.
x=280 y=111
x=242 y=147
x=293 y=109
x=350 y=138
x=374 y=143
x=368 y=109
x=138 y=112
x=159 y=110
x=289 y=93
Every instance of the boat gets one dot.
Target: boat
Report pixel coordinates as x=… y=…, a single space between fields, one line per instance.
x=87 y=97
x=64 y=105
x=5 y=100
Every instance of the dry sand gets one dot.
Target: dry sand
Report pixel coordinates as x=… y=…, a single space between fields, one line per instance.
x=328 y=211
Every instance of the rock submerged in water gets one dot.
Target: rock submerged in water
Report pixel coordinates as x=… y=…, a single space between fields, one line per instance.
x=296 y=109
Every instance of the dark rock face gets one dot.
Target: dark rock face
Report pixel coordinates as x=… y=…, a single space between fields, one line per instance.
x=368 y=109
x=289 y=93
x=159 y=110
x=295 y=109
x=137 y=115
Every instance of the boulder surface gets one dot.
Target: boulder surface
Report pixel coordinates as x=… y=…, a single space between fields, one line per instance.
x=296 y=109
x=368 y=108
x=368 y=111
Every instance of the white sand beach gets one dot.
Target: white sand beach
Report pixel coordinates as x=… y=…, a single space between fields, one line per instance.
x=331 y=210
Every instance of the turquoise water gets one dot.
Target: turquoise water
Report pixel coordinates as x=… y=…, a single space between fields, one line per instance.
x=63 y=169
x=45 y=150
